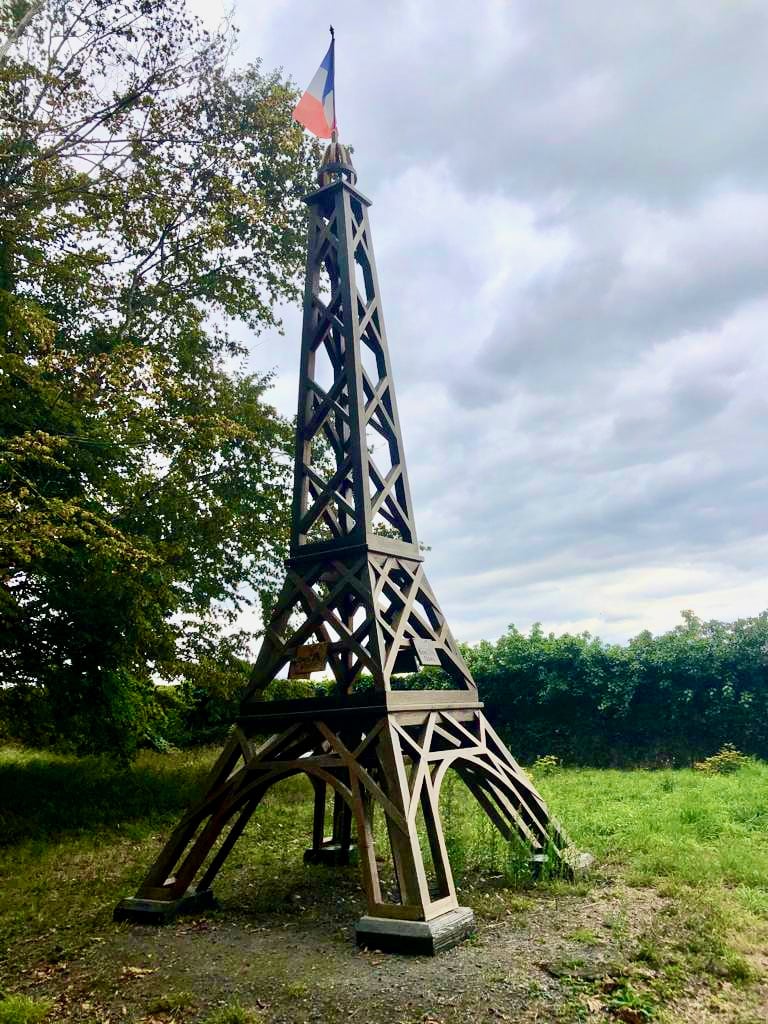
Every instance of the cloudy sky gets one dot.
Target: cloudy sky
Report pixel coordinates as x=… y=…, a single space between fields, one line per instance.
x=570 y=218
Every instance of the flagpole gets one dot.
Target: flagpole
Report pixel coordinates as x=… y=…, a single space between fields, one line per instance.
x=334 y=129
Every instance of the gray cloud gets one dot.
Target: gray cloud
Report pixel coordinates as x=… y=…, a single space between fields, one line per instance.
x=656 y=100
x=638 y=277
x=571 y=224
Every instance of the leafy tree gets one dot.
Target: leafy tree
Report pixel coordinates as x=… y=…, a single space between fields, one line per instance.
x=150 y=201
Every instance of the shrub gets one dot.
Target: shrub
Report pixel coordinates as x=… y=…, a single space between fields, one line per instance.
x=728 y=759
x=547 y=764
x=290 y=689
x=667 y=699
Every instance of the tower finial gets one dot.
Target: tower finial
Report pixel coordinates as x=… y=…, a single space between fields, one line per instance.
x=336 y=165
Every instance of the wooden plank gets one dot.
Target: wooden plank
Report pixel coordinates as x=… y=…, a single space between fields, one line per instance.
x=434 y=827
x=399 y=911
x=318 y=812
x=413 y=700
x=362 y=810
x=421 y=770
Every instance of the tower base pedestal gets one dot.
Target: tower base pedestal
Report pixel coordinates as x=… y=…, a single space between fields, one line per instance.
x=331 y=855
x=147 y=911
x=424 y=938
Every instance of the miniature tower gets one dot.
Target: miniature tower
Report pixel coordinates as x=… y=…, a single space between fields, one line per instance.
x=355 y=601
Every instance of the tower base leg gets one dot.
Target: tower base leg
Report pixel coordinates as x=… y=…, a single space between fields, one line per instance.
x=421 y=938
x=385 y=759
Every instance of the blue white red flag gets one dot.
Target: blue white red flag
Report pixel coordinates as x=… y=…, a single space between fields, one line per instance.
x=316 y=110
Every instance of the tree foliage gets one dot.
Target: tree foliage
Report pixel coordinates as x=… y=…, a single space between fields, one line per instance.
x=151 y=200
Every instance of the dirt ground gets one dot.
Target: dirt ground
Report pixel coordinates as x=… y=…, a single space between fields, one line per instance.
x=554 y=954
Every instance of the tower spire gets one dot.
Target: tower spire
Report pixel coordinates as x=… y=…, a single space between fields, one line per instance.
x=334 y=126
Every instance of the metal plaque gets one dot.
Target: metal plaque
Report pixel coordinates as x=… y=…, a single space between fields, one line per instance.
x=308 y=658
x=425 y=651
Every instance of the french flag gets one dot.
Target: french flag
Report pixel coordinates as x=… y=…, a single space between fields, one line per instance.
x=316 y=110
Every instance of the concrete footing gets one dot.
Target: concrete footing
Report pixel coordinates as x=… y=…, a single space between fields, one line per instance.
x=142 y=911
x=331 y=855
x=424 y=938
x=575 y=864
x=578 y=862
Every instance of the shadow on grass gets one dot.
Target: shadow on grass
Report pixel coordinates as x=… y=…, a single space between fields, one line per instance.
x=45 y=795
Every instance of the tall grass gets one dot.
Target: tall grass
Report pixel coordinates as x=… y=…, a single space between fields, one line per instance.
x=675 y=825
x=695 y=829
x=45 y=794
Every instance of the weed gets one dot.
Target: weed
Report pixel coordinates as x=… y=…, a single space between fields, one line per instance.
x=547 y=764
x=297 y=990
x=586 y=936
x=728 y=759
x=626 y=1004
x=171 y=1002
x=23 y=1009
x=618 y=924
x=650 y=950
x=736 y=968
x=234 y=1013
x=667 y=784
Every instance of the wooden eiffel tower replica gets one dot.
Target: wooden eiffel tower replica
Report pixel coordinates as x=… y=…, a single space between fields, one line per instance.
x=355 y=601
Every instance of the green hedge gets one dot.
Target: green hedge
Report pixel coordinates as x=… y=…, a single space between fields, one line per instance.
x=670 y=698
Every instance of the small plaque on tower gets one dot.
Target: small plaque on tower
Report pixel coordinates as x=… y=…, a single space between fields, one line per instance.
x=308 y=658
x=425 y=651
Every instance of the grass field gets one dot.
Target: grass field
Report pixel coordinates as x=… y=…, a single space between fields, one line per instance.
x=671 y=926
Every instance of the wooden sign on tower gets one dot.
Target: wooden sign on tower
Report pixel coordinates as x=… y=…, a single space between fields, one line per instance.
x=357 y=601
